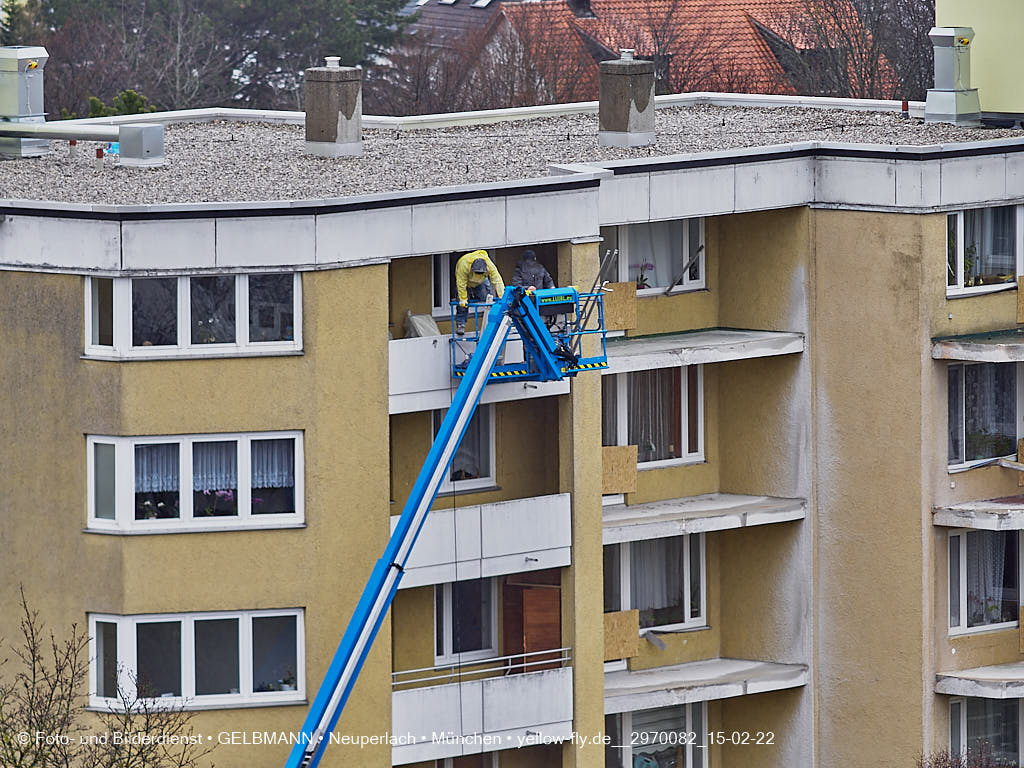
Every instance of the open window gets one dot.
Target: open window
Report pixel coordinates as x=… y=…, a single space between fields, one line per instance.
x=655 y=255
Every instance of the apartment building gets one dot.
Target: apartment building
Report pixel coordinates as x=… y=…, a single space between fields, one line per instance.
x=782 y=528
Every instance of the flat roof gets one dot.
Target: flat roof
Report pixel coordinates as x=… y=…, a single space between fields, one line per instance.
x=707 y=680
x=1002 y=514
x=999 y=681
x=710 y=345
x=697 y=514
x=250 y=160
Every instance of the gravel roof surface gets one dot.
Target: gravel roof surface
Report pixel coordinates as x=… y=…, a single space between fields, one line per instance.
x=238 y=161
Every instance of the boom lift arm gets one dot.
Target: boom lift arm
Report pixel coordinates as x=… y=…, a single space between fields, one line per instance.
x=549 y=358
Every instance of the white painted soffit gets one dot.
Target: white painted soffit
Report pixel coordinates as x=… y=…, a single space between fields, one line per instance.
x=1000 y=681
x=1005 y=514
x=697 y=514
x=628 y=691
x=995 y=347
x=715 y=345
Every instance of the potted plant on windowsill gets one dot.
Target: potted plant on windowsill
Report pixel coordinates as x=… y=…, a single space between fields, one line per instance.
x=288 y=681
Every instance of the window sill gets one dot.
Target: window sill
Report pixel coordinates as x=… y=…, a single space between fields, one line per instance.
x=674 y=629
x=466 y=491
x=193 y=707
x=188 y=528
x=666 y=463
x=980 y=290
x=190 y=355
x=646 y=293
x=956 y=634
x=954 y=469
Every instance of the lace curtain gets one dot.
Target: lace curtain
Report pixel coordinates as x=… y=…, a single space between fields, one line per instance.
x=156 y=468
x=215 y=466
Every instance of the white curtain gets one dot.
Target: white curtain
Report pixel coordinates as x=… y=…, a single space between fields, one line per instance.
x=654 y=419
x=156 y=468
x=990 y=240
x=656 y=573
x=986 y=555
x=655 y=252
x=273 y=463
x=215 y=466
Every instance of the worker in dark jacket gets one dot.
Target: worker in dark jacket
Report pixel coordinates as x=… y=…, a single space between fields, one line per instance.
x=530 y=273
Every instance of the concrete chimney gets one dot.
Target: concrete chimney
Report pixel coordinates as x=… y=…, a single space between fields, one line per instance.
x=21 y=96
x=334 y=110
x=952 y=100
x=626 y=111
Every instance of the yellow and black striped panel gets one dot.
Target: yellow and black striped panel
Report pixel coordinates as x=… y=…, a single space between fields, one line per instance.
x=496 y=374
x=585 y=367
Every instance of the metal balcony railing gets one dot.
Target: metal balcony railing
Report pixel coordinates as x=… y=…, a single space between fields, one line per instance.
x=536 y=661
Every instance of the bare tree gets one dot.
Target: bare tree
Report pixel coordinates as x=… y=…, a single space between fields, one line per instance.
x=160 y=735
x=980 y=756
x=40 y=704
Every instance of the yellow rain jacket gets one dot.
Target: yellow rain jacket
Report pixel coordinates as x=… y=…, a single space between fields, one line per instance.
x=465 y=276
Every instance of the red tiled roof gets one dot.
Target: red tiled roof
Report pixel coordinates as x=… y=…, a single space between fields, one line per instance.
x=711 y=45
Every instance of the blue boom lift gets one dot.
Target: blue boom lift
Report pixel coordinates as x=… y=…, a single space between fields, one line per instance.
x=552 y=325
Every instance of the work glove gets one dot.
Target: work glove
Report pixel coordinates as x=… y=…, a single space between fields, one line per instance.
x=463 y=304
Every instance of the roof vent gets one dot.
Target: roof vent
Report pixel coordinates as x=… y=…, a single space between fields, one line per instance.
x=21 y=96
x=334 y=110
x=952 y=100
x=626 y=110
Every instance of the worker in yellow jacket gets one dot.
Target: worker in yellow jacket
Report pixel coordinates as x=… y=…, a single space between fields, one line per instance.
x=476 y=277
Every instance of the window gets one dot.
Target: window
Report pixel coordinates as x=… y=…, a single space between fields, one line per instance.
x=202 y=659
x=667 y=737
x=662 y=578
x=991 y=726
x=198 y=315
x=473 y=465
x=661 y=411
x=982 y=413
x=983 y=248
x=465 y=620
x=196 y=482
x=984 y=579
x=443 y=282
x=655 y=255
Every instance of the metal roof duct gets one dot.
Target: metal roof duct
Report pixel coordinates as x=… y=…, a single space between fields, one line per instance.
x=21 y=96
x=952 y=100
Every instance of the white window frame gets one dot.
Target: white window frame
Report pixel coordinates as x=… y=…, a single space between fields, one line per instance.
x=625 y=587
x=696 y=758
x=961 y=467
x=441 y=305
x=124 y=486
x=961 y=724
x=622 y=419
x=683 y=286
x=960 y=289
x=122 y=312
x=448 y=485
x=962 y=628
x=127 y=660
x=449 y=657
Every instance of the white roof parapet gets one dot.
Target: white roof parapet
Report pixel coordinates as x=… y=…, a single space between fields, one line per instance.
x=715 y=345
x=1005 y=514
x=697 y=514
x=708 y=680
x=999 y=681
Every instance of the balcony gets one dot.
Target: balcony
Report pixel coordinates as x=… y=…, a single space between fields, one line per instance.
x=420 y=376
x=502 y=703
x=491 y=540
